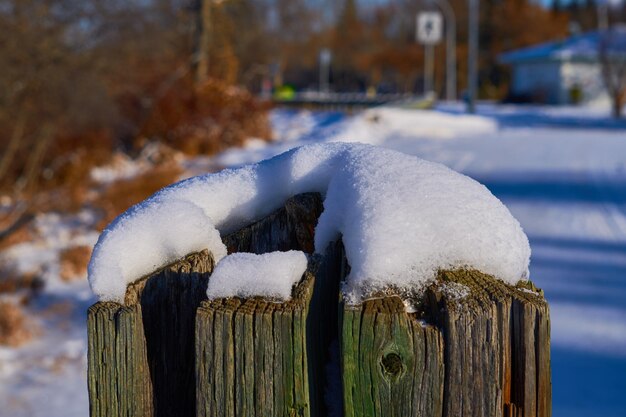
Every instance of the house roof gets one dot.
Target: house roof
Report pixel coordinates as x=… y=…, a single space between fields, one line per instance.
x=581 y=47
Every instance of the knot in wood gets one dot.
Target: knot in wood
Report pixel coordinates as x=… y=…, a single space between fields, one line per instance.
x=392 y=364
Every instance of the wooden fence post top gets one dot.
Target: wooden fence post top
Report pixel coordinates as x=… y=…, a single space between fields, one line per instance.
x=198 y=262
x=301 y=295
x=469 y=345
x=474 y=290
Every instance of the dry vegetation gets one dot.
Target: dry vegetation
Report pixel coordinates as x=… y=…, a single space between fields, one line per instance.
x=24 y=285
x=122 y=194
x=15 y=328
x=74 y=262
x=83 y=82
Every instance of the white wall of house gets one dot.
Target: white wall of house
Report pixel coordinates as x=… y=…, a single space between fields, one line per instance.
x=553 y=81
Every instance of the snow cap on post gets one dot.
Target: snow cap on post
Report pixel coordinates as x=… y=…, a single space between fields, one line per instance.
x=401 y=219
x=271 y=275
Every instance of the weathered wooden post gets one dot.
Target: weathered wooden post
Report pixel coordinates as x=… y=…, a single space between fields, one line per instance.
x=473 y=346
x=142 y=354
x=392 y=365
x=252 y=358
x=118 y=376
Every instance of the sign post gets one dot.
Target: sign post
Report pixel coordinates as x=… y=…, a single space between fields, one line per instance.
x=603 y=14
x=429 y=34
x=325 y=57
x=472 y=64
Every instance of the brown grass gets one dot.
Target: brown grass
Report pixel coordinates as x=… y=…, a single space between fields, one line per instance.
x=12 y=282
x=20 y=235
x=74 y=263
x=207 y=119
x=15 y=328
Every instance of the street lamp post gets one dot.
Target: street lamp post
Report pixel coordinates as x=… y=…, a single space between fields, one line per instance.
x=450 y=48
x=603 y=15
x=472 y=61
x=325 y=57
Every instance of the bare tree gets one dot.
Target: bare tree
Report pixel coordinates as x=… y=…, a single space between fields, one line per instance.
x=613 y=60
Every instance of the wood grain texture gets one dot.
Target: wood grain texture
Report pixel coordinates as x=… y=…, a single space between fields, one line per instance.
x=290 y=227
x=143 y=351
x=251 y=356
x=475 y=347
x=118 y=375
x=154 y=330
x=496 y=345
x=392 y=365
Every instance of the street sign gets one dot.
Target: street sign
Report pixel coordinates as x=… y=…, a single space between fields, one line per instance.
x=429 y=28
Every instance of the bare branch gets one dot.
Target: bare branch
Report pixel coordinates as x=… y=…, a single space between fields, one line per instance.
x=12 y=147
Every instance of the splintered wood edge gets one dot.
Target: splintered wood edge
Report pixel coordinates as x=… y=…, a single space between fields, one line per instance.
x=481 y=290
x=301 y=211
x=199 y=262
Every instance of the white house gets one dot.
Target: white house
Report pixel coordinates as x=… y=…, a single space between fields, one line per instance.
x=562 y=72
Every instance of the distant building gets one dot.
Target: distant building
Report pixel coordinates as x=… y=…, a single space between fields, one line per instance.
x=563 y=72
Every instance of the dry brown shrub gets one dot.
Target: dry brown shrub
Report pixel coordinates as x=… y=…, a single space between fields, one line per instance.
x=15 y=328
x=74 y=262
x=12 y=282
x=207 y=119
x=20 y=235
x=71 y=159
x=120 y=195
x=66 y=161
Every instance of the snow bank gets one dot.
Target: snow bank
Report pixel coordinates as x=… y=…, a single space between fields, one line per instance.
x=401 y=219
x=385 y=124
x=270 y=275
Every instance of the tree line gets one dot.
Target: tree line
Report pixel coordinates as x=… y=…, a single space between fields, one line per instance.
x=92 y=75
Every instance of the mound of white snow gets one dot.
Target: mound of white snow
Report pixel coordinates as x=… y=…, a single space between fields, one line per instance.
x=270 y=275
x=401 y=219
x=396 y=124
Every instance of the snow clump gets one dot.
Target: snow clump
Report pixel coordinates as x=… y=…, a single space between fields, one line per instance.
x=401 y=219
x=271 y=275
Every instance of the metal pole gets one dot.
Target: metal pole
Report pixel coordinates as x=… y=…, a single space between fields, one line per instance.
x=325 y=57
x=603 y=15
x=327 y=77
x=448 y=12
x=429 y=68
x=472 y=64
x=322 y=87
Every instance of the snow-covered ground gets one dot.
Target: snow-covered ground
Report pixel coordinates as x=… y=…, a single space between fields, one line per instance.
x=561 y=171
